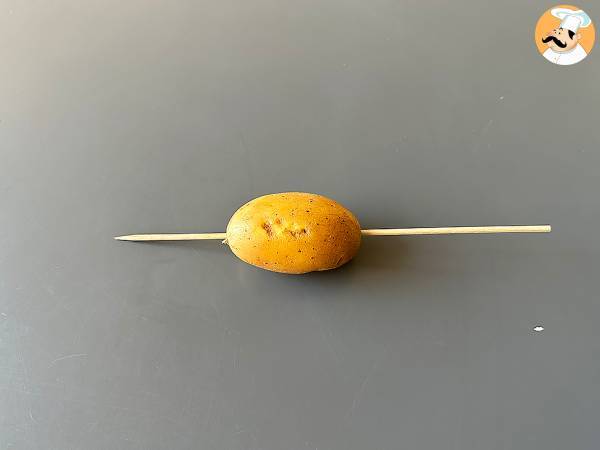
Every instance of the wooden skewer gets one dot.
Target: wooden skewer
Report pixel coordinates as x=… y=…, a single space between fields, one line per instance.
x=459 y=230
x=371 y=232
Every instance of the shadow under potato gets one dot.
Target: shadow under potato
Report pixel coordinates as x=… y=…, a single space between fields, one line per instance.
x=385 y=253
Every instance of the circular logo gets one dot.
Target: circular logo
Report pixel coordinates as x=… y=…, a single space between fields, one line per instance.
x=565 y=35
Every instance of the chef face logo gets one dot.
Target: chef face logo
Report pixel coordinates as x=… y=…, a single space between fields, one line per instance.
x=565 y=35
x=561 y=40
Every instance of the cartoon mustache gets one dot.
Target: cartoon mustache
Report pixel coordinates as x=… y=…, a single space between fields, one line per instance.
x=556 y=41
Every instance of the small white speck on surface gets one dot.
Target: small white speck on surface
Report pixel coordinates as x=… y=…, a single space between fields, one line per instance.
x=502 y=98
x=538 y=328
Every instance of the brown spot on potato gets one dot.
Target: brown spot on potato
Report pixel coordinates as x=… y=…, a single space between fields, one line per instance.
x=267 y=227
x=298 y=233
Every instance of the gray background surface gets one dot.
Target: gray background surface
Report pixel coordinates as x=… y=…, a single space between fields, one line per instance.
x=144 y=116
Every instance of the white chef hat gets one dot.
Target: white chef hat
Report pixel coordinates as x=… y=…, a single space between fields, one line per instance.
x=570 y=19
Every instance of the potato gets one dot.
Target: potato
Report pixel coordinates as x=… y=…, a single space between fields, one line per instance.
x=294 y=232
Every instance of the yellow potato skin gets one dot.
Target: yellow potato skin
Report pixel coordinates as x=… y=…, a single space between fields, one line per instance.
x=294 y=232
